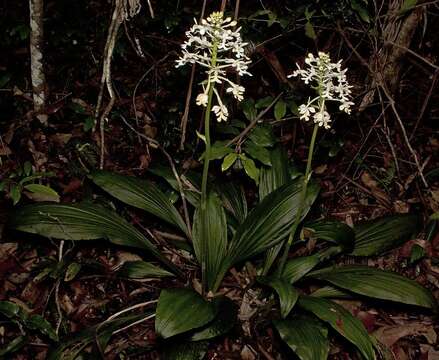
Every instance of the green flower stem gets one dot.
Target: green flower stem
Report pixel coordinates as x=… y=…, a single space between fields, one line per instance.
x=206 y=162
x=302 y=200
x=207 y=131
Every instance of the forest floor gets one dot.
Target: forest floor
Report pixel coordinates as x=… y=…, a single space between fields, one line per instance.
x=364 y=167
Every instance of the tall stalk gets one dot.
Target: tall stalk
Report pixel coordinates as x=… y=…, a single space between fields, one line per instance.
x=208 y=110
x=207 y=129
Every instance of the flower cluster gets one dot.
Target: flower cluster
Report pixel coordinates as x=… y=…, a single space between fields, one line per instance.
x=329 y=79
x=217 y=48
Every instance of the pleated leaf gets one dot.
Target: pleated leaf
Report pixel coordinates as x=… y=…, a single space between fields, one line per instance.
x=376 y=236
x=185 y=350
x=234 y=201
x=332 y=231
x=142 y=270
x=377 y=284
x=297 y=268
x=341 y=321
x=270 y=179
x=210 y=238
x=305 y=336
x=83 y=221
x=270 y=221
x=141 y=194
x=287 y=294
x=181 y=310
x=276 y=175
x=227 y=312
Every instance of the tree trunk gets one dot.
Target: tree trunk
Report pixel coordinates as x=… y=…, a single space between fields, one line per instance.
x=37 y=70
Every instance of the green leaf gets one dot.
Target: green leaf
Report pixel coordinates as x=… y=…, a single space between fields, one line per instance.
x=332 y=231
x=264 y=102
x=341 y=321
x=270 y=179
x=27 y=167
x=377 y=284
x=250 y=168
x=309 y=30
x=141 y=194
x=233 y=198
x=262 y=135
x=298 y=267
x=89 y=123
x=12 y=310
x=218 y=150
x=210 y=237
x=434 y=216
x=15 y=193
x=288 y=295
x=248 y=108
x=270 y=221
x=280 y=109
x=407 y=5
x=305 y=336
x=228 y=161
x=83 y=221
x=360 y=10
x=41 y=192
x=257 y=152
x=376 y=236
x=276 y=175
x=37 y=322
x=15 y=345
x=185 y=350
x=227 y=312
x=181 y=310
x=72 y=270
x=331 y=292
x=142 y=270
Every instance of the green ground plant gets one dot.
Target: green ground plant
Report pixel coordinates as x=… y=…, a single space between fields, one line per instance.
x=223 y=232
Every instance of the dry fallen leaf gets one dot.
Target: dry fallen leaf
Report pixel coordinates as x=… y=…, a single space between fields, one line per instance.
x=389 y=335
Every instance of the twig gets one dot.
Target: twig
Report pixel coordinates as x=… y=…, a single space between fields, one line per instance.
x=254 y=122
x=185 y=117
x=116 y=21
x=425 y=104
x=58 y=306
x=404 y=133
x=413 y=53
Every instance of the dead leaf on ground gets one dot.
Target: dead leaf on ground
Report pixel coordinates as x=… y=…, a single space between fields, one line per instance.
x=389 y=335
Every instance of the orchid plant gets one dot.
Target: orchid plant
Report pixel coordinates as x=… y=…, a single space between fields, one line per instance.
x=221 y=212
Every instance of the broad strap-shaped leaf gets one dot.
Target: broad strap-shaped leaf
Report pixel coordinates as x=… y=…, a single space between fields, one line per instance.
x=377 y=284
x=181 y=310
x=185 y=350
x=83 y=221
x=341 y=321
x=227 y=312
x=298 y=267
x=270 y=179
x=210 y=237
x=287 y=294
x=270 y=221
x=276 y=175
x=141 y=194
x=332 y=231
x=306 y=336
x=234 y=201
x=142 y=270
x=190 y=177
x=332 y=292
x=376 y=236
